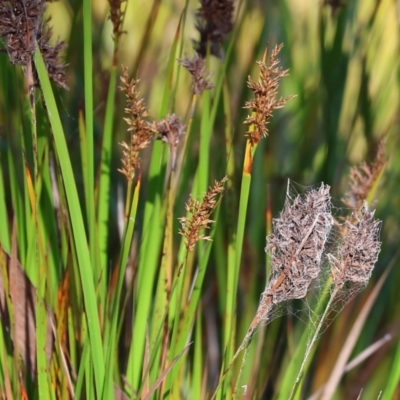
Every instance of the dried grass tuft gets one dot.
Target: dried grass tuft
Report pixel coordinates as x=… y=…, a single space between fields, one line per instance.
x=22 y=26
x=141 y=130
x=363 y=177
x=51 y=56
x=196 y=68
x=117 y=15
x=170 y=130
x=200 y=212
x=358 y=252
x=265 y=96
x=296 y=246
x=214 y=23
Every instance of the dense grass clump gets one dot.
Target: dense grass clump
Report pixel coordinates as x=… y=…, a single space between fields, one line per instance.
x=154 y=243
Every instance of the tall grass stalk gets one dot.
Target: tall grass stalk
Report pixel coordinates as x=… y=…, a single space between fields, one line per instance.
x=89 y=130
x=153 y=230
x=78 y=230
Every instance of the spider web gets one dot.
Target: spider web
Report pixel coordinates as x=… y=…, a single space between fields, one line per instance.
x=323 y=289
x=335 y=293
x=296 y=248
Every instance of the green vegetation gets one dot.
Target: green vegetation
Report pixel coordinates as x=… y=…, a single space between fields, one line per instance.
x=145 y=157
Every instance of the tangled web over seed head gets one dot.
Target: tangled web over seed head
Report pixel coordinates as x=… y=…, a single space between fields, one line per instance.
x=358 y=251
x=297 y=243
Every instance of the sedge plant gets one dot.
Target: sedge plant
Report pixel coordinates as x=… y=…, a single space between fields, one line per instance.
x=134 y=187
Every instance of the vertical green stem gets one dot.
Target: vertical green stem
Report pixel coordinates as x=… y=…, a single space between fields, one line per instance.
x=88 y=82
x=311 y=344
x=233 y=273
x=103 y=204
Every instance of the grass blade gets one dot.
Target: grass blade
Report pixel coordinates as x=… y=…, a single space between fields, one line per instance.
x=78 y=229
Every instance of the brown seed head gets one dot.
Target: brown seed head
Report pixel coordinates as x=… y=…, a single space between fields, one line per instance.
x=21 y=27
x=51 y=56
x=265 y=96
x=170 y=129
x=200 y=213
x=363 y=177
x=141 y=130
x=214 y=23
x=196 y=68
x=117 y=16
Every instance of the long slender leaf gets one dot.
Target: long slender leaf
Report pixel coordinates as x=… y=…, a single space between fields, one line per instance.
x=78 y=229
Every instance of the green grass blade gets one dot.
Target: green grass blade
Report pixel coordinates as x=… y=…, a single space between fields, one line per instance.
x=205 y=139
x=82 y=366
x=4 y=230
x=198 y=365
x=394 y=376
x=194 y=301
x=78 y=229
x=18 y=200
x=291 y=371
x=89 y=173
x=111 y=332
x=42 y=365
x=152 y=235
x=233 y=273
x=103 y=203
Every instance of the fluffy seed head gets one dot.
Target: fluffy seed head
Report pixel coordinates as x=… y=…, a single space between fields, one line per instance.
x=296 y=247
x=359 y=249
x=297 y=243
